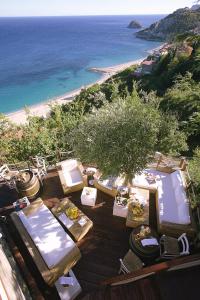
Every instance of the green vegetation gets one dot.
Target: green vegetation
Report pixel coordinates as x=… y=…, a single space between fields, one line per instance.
x=122 y=136
x=125 y=117
x=181 y=21
x=194 y=165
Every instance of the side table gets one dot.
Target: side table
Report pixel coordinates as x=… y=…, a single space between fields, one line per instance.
x=89 y=196
x=139 y=234
x=120 y=210
x=70 y=292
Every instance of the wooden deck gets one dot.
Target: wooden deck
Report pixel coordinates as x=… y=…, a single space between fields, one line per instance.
x=101 y=248
x=103 y=245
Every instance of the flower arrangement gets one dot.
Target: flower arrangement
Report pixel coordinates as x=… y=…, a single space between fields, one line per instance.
x=121 y=201
x=137 y=208
x=72 y=212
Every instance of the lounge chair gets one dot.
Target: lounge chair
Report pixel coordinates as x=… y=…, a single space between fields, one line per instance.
x=52 y=250
x=70 y=174
x=109 y=185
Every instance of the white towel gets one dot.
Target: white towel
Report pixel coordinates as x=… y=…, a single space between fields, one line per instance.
x=66 y=280
x=149 y=242
x=82 y=221
x=65 y=220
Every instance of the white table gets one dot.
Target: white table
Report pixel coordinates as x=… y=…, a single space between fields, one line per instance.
x=70 y=292
x=89 y=196
x=120 y=210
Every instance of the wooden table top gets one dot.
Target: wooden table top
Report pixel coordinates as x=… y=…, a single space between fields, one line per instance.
x=78 y=231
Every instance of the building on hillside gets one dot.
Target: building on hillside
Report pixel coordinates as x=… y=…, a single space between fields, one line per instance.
x=184 y=49
x=147 y=66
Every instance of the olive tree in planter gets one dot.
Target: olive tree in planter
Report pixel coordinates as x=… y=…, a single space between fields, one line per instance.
x=120 y=137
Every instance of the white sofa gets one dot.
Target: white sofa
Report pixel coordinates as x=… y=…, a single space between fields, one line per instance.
x=172 y=203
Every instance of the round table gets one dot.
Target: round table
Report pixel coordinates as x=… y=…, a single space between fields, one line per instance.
x=137 y=235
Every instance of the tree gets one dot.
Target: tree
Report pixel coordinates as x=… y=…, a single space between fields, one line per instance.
x=8 y=132
x=183 y=99
x=170 y=139
x=120 y=137
x=194 y=166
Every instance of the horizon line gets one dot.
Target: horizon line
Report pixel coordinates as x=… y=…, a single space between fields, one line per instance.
x=107 y=15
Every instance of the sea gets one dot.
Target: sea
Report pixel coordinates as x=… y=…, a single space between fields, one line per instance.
x=44 y=57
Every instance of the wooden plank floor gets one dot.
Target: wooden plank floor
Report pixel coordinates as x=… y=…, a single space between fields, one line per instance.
x=103 y=245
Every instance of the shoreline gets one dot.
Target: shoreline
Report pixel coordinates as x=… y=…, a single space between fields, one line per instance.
x=43 y=108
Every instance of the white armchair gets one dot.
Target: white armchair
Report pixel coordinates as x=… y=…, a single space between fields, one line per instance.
x=70 y=174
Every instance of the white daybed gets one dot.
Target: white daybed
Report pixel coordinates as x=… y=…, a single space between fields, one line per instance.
x=51 y=248
x=173 y=209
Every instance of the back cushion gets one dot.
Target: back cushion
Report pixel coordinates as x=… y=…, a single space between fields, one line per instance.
x=69 y=165
x=175 y=179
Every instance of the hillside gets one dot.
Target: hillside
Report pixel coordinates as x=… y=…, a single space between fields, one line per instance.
x=181 y=21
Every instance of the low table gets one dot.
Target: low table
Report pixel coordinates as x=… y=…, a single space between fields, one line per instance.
x=89 y=196
x=137 y=235
x=77 y=227
x=70 y=292
x=120 y=210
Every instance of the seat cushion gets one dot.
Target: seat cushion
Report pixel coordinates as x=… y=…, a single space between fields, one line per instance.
x=48 y=235
x=72 y=177
x=140 y=179
x=107 y=182
x=69 y=164
x=173 y=204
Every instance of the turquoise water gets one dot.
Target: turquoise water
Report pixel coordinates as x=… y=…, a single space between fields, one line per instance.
x=41 y=58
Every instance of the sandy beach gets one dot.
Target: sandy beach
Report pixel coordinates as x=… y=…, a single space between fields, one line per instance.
x=43 y=109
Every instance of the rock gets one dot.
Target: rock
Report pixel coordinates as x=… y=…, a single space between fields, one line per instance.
x=195 y=7
x=181 y=21
x=134 y=25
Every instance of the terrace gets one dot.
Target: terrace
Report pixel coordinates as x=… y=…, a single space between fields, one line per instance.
x=101 y=248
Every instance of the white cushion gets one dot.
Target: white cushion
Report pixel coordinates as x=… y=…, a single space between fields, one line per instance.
x=173 y=205
x=69 y=164
x=48 y=235
x=108 y=182
x=25 y=221
x=172 y=200
x=70 y=174
x=72 y=177
x=141 y=181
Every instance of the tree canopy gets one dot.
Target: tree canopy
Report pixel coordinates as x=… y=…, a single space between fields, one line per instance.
x=122 y=136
